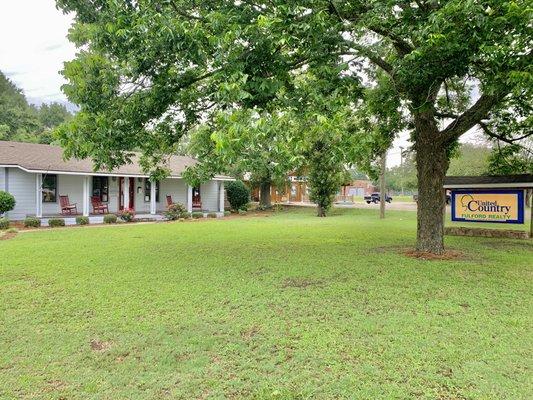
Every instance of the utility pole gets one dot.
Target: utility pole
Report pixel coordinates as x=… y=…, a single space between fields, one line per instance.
x=401 y=169
x=382 y=189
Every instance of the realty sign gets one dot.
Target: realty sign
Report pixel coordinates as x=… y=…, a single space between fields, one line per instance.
x=503 y=206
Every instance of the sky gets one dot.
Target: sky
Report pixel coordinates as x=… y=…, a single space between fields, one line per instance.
x=33 y=47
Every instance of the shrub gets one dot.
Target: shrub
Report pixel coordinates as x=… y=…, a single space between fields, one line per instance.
x=242 y=211
x=212 y=215
x=110 y=219
x=56 y=222
x=127 y=215
x=82 y=220
x=226 y=213
x=32 y=222
x=197 y=214
x=176 y=211
x=4 y=223
x=238 y=194
x=7 y=202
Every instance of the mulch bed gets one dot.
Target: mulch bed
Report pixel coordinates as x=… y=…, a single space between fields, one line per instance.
x=422 y=255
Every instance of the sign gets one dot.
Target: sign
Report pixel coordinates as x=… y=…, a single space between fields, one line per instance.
x=500 y=206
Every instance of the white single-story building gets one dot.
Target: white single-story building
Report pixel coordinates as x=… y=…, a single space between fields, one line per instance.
x=42 y=181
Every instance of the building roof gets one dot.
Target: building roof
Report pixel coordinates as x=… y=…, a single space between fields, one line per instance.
x=502 y=181
x=45 y=158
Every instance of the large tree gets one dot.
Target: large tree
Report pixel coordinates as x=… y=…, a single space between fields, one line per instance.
x=245 y=143
x=149 y=69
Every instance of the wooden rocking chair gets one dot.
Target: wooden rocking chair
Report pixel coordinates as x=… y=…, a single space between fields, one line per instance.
x=98 y=206
x=66 y=207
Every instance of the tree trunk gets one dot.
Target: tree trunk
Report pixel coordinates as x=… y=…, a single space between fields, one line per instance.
x=431 y=164
x=320 y=211
x=382 y=188
x=265 y=200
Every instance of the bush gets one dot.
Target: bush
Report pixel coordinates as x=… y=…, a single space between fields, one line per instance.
x=242 y=211
x=7 y=202
x=4 y=223
x=56 y=222
x=197 y=214
x=176 y=211
x=226 y=213
x=110 y=219
x=82 y=220
x=32 y=222
x=212 y=215
x=238 y=194
x=127 y=215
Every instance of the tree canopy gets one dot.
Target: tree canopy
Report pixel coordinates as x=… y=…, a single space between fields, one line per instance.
x=20 y=121
x=150 y=70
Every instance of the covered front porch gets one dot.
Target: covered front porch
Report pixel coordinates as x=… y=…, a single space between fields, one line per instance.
x=93 y=196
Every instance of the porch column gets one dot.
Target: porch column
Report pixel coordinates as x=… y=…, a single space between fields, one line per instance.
x=152 y=197
x=189 y=198
x=39 y=195
x=221 y=196
x=86 y=196
x=126 y=191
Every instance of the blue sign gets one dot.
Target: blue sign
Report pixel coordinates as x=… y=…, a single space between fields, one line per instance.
x=498 y=206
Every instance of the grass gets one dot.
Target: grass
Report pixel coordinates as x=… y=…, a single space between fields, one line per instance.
x=288 y=306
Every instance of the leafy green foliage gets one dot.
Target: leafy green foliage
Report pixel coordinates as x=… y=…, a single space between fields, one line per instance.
x=32 y=222
x=197 y=215
x=4 y=223
x=212 y=215
x=56 y=222
x=7 y=202
x=469 y=159
x=110 y=219
x=176 y=211
x=82 y=220
x=511 y=159
x=238 y=194
x=127 y=215
x=20 y=121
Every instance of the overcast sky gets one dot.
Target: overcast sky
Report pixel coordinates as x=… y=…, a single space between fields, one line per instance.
x=33 y=47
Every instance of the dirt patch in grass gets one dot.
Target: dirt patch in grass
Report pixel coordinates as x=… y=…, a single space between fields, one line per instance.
x=249 y=333
x=300 y=283
x=7 y=235
x=99 y=346
x=422 y=255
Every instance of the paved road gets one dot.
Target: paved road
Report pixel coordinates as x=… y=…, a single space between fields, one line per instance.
x=401 y=206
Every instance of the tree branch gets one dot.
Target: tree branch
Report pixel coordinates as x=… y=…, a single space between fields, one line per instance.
x=472 y=116
x=366 y=52
x=494 y=135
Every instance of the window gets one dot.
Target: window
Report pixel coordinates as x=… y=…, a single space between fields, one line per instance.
x=49 y=188
x=101 y=188
x=148 y=188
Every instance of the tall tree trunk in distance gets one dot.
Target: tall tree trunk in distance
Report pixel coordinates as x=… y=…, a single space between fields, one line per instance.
x=431 y=165
x=265 y=200
x=382 y=188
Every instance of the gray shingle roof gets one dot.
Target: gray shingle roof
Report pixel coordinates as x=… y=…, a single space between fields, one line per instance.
x=42 y=157
x=513 y=180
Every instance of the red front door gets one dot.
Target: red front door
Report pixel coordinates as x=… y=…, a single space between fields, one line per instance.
x=131 y=192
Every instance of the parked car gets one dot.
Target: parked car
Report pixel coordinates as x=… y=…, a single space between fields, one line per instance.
x=448 y=198
x=376 y=198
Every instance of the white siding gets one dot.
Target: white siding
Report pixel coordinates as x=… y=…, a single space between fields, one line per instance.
x=2 y=179
x=22 y=187
x=113 y=194
x=209 y=195
x=177 y=188
x=67 y=185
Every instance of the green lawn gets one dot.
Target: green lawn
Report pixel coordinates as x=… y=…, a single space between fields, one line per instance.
x=288 y=306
